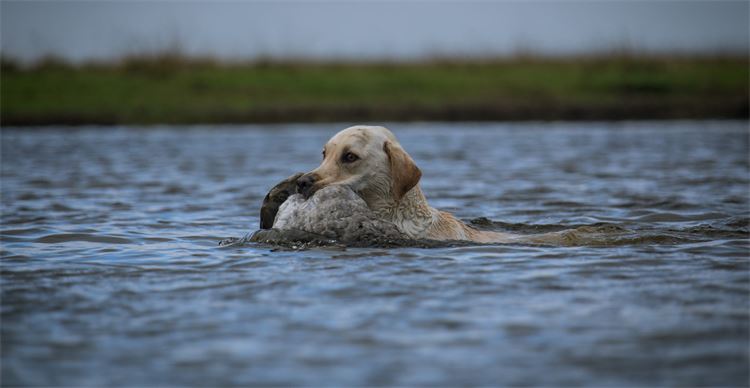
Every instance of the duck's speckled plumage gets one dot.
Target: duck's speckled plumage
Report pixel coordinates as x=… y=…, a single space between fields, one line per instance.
x=335 y=212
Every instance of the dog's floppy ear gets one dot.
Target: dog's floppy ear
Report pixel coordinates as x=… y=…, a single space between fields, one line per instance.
x=404 y=173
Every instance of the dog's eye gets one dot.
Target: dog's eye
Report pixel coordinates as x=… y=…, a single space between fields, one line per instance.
x=349 y=157
x=324 y=154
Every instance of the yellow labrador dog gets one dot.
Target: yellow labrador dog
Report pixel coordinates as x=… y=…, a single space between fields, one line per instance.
x=370 y=161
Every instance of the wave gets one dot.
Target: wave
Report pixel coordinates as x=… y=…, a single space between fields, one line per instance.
x=565 y=235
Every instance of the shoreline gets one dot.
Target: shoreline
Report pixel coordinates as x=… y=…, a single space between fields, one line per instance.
x=347 y=123
x=737 y=111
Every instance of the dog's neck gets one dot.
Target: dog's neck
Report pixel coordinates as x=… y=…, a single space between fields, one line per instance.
x=411 y=214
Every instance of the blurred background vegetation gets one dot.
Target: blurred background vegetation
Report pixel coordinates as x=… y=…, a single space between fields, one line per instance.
x=119 y=62
x=171 y=87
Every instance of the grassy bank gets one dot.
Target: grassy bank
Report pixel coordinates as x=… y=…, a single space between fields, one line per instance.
x=174 y=89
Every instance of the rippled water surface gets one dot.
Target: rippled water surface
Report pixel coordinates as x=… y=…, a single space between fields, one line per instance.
x=111 y=273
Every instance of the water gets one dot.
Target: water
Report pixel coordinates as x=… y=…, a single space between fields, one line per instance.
x=111 y=273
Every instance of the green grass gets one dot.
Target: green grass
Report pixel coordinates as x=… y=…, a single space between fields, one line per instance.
x=167 y=89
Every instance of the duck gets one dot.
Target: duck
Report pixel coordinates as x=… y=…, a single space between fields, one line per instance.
x=335 y=212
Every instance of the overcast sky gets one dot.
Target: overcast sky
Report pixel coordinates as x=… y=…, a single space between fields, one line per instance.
x=81 y=30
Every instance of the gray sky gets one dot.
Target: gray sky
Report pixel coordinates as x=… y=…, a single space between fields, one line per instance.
x=81 y=30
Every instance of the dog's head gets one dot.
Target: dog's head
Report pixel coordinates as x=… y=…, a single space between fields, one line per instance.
x=368 y=159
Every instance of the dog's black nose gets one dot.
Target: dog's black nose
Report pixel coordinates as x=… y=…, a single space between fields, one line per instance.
x=305 y=184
